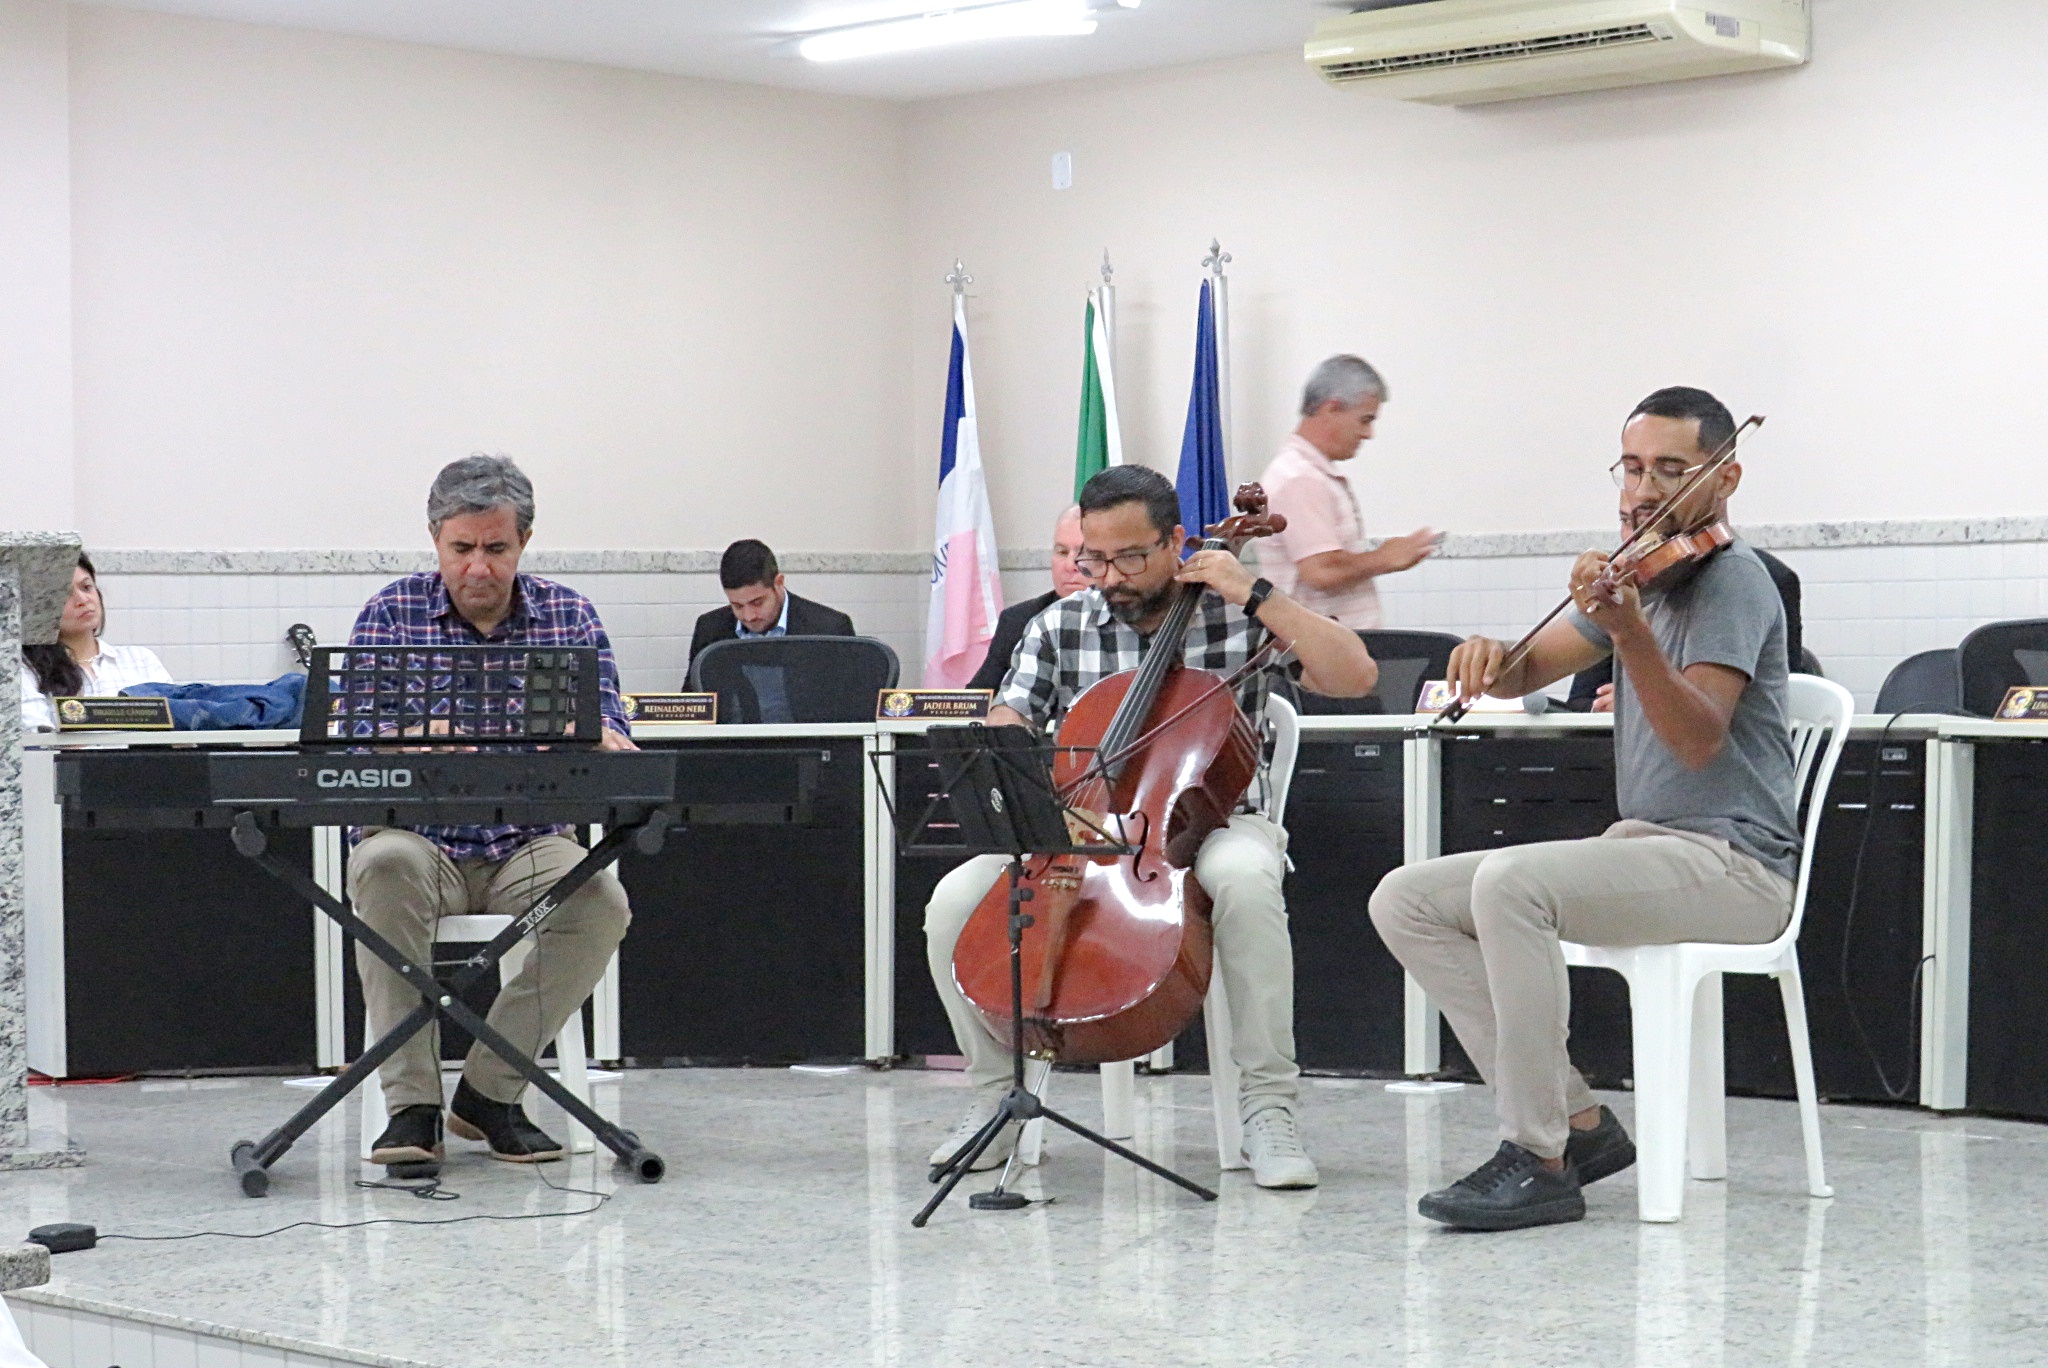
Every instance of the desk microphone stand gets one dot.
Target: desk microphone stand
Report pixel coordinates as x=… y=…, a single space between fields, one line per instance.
x=1003 y=799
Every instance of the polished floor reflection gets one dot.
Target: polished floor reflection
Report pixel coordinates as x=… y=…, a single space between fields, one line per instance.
x=782 y=1235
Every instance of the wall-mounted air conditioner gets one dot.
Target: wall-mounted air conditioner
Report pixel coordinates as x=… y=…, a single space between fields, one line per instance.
x=1474 y=51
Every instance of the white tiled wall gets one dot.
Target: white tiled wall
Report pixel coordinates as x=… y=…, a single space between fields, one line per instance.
x=1866 y=608
x=69 y=1337
x=230 y=627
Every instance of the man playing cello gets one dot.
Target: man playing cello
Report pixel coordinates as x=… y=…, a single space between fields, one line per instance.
x=1706 y=850
x=1131 y=540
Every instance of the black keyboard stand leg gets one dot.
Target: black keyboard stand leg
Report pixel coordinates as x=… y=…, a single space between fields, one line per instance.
x=252 y=1159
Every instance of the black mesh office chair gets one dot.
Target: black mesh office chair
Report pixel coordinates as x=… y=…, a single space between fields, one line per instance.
x=1406 y=659
x=795 y=678
x=1998 y=656
x=1930 y=682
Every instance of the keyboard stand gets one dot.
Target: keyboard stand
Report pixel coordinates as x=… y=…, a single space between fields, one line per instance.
x=252 y=1158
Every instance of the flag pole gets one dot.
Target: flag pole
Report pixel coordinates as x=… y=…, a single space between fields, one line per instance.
x=1214 y=264
x=1108 y=306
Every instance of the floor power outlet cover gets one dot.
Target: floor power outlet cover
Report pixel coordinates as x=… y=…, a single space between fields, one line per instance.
x=64 y=1237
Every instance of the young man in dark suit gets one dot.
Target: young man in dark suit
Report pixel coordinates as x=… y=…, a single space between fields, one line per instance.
x=757 y=604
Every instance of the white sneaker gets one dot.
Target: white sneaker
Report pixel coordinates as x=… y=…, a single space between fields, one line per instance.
x=978 y=1115
x=1272 y=1146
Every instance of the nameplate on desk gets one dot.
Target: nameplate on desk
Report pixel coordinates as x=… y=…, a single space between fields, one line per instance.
x=676 y=707
x=1436 y=696
x=901 y=705
x=2024 y=704
x=114 y=714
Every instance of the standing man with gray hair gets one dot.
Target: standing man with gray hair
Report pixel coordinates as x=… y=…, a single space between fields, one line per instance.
x=1321 y=560
x=403 y=880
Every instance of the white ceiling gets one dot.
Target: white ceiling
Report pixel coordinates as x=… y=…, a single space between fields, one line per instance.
x=749 y=40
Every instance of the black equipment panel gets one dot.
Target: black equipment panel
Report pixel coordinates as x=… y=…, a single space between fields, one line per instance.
x=1345 y=832
x=181 y=955
x=921 y=1025
x=1880 y=819
x=2008 y=925
x=1511 y=790
x=748 y=941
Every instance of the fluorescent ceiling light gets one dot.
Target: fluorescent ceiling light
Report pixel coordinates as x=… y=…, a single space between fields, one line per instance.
x=960 y=24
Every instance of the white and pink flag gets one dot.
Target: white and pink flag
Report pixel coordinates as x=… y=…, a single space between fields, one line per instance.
x=967 y=591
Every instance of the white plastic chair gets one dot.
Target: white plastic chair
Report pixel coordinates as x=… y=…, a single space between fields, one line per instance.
x=1675 y=998
x=570 y=1060
x=1119 y=1080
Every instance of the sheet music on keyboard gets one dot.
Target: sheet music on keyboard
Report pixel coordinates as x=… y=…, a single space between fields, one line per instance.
x=493 y=695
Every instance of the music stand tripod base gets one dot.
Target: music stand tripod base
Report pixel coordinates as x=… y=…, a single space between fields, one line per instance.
x=1024 y=817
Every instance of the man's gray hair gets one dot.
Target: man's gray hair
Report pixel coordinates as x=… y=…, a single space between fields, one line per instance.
x=477 y=484
x=1347 y=379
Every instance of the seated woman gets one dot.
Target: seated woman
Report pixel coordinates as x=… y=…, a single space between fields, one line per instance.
x=80 y=662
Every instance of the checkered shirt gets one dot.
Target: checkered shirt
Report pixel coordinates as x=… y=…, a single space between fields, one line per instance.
x=415 y=611
x=1078 y=641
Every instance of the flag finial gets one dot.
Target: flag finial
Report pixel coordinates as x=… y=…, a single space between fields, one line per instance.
x=1217 y=258
x=1107 y=269
x=959 y=280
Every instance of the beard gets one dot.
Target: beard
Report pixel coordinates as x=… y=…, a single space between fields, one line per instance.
x=1132 y=606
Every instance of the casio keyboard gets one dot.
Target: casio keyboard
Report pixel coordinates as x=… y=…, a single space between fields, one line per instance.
x=439 y=736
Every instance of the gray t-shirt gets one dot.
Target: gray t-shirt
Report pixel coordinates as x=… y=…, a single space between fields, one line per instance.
x=1727 y=612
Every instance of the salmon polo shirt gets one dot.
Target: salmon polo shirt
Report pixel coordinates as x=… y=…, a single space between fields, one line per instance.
x=1322 y=514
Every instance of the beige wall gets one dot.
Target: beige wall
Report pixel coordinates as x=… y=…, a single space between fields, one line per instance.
x=35 y=267
x=1853 y=248
x=312 y=268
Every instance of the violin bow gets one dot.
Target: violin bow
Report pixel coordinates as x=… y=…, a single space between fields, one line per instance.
x=1707 y=469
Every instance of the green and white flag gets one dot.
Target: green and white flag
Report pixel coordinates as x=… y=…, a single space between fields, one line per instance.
x=1100 y=445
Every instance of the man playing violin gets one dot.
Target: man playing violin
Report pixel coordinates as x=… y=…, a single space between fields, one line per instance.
x=1131 y=553
x=1706 y=849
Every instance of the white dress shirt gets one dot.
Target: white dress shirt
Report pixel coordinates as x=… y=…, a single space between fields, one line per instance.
x=781 y=627
x=109 y=672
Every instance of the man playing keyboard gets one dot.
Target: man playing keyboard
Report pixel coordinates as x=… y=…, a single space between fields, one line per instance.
x=402 y=881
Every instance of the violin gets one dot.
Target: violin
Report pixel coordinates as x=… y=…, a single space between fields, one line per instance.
x=1655 y=561
x=1647 y=558
x=1117 y=953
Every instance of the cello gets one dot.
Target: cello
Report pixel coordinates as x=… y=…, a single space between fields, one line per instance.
x=1117 y=956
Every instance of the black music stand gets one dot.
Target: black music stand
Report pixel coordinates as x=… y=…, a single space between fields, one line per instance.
x=428 y=698
x=1000 y=789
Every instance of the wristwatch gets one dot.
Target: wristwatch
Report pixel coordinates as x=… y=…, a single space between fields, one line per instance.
x=1262 y=589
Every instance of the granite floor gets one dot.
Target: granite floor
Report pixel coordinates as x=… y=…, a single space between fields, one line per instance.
x=782 y=1235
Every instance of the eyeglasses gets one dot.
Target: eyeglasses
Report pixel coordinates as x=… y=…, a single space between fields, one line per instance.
x=1668 y=473
x=1127 y=563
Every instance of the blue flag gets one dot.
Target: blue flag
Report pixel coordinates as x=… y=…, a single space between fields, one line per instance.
x=1204 y=488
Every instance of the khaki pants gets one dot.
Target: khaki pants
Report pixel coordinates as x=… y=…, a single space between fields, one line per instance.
x=401 y=884
x=1241 y=867
x=1480 y=933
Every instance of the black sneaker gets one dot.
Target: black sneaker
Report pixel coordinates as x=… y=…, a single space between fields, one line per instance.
x=501 y=1125
x=1600 y=1152
x=412 y=1137
x=1507 y=1192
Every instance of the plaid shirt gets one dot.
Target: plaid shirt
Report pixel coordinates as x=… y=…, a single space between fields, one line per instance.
x=415 y=611
x=1078 y=641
